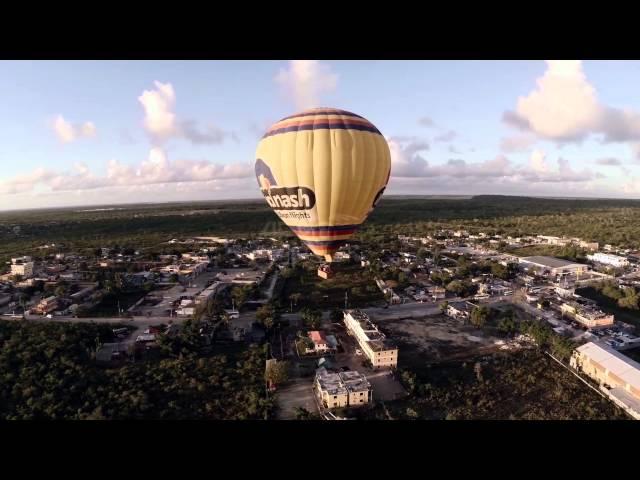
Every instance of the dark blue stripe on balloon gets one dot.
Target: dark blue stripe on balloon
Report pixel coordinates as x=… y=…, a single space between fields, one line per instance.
x=325 y=229
x=325 y=243
x=323 y=126
x=323 y=112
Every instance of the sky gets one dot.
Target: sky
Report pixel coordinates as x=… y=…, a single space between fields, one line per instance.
x=111 y=132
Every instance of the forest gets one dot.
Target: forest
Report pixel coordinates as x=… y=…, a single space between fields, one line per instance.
x=48 y=371
x=147 y=226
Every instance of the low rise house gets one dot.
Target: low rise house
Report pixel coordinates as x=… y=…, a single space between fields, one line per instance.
x=460 y=310
x=325 y=271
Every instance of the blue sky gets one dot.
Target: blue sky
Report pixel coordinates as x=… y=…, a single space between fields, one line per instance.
x=84 y=132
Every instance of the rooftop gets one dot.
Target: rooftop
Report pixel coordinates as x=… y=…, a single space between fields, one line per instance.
x=618 y=364
x=550 y=262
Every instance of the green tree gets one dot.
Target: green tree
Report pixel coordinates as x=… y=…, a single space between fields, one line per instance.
x=480 y=316
x=277 y=372
x=312 y=318
x=336 y=315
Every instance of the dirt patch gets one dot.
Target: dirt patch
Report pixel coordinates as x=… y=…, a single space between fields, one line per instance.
x=439 y=338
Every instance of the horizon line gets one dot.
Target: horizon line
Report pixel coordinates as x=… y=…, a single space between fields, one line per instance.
x=259 y=199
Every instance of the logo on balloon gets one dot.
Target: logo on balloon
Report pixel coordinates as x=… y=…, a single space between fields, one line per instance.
x=282 y=198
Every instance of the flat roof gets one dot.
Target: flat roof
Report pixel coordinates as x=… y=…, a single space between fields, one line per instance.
x=614 y=361
x=551 y=262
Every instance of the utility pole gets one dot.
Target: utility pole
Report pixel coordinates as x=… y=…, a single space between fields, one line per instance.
x=346 y=298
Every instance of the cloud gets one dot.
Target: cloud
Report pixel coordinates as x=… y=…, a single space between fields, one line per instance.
x=446 y=137
x=212 y=134
x=67 y=132
x=25 y=183
x=159 y=119
x=305 y=81
x=161 y=122
x=609 y=161
x=564 y=107
x=408 y=161
x=453 y=149
x=517 y=143
x=426 y=122
x=155 y=169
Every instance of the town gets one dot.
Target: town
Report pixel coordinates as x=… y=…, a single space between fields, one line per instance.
x=339 y=336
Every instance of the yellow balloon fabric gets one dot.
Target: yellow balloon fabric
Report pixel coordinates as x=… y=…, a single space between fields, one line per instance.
x=323 y=171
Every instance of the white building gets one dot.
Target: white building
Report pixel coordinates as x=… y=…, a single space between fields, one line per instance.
x=617 y=374
x=380 y=351
x=22 y=266
x=609 y=259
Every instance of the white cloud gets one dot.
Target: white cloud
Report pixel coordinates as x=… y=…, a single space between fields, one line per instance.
x=155 y=169
x=162 y=123
x=564 y=107
x=25 y=183
x=88 y=129
x=538 y=162
x=305 y=81
x=67 y=132
x=159 y=119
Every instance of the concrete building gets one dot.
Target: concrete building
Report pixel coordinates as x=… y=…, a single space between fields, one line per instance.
x=379 y=350
x=22 y=266
x=459 y=310
x=552 y=266
x=324 y=271
x=588 y=315
x=617 y=374
x=344 y=389
x=47 y=305
x=609 y=259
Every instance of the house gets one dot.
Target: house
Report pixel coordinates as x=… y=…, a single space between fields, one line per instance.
x=320 y=343
x=325 y=271
x=460 y=310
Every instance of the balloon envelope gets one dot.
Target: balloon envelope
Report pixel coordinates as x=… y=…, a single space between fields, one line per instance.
x=322 y=171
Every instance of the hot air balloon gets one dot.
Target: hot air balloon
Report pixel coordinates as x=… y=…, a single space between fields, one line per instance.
x=322 y=171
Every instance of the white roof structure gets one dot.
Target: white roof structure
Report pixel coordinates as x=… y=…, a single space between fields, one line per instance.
x=616 y=363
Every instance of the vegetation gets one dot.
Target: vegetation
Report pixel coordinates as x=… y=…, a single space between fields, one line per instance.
x=622 y=303
x=47 y=371
x=526 y=385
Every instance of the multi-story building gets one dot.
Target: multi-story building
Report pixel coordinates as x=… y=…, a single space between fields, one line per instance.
x=47 y=305
x=22 y=266
x=380 y=351
x=344 y=389
x=588 y=315
x=617 y=374
x=609 y=259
